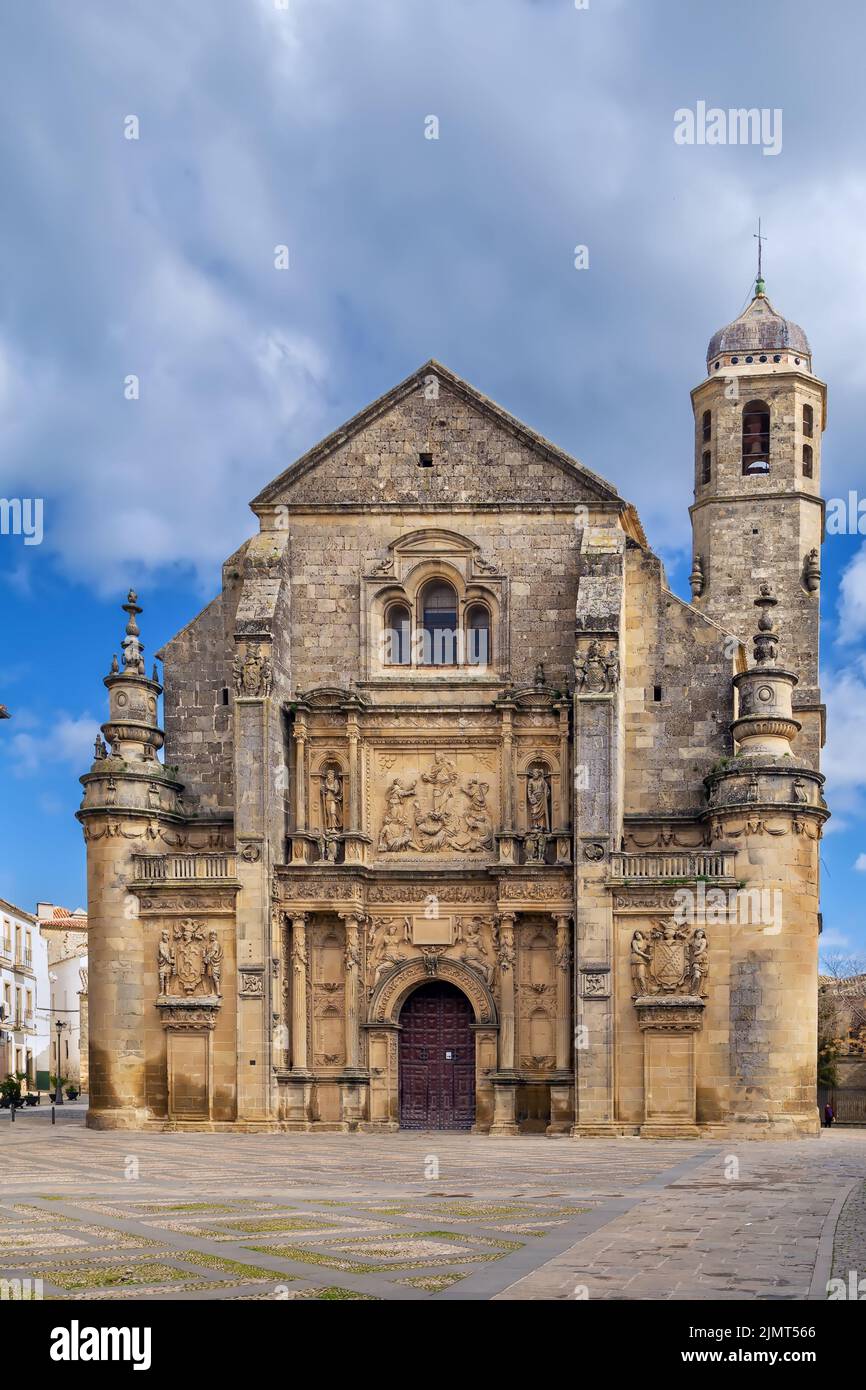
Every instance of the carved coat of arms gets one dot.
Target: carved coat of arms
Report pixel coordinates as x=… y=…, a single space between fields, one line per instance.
x=671 y=960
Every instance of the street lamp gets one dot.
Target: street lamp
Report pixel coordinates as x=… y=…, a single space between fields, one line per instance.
x=58 y=1090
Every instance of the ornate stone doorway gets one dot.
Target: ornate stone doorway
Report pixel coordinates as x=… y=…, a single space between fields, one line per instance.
x=437 y=1059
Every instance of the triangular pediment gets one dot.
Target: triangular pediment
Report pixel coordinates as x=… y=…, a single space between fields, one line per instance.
x=434 y=438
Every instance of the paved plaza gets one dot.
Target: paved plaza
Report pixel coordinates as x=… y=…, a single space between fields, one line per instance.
x=424 y=1215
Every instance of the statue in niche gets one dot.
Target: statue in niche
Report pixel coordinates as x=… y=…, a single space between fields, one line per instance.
x=538 y=798
x=395 y=834
x=639 y=960
x=332 y=800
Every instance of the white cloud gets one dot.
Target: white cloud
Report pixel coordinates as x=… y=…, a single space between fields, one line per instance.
x=844 y=758
x=860 y=863
x=66 y=739
x=852 y=599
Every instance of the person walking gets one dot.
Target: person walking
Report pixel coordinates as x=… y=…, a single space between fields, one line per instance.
x=829 y=1117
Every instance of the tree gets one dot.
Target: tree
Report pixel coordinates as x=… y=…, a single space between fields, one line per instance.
x=841 y=981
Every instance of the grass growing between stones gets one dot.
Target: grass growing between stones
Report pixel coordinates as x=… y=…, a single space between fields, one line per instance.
x=221 y=1265
x=105 y=1276
x=274 y=1224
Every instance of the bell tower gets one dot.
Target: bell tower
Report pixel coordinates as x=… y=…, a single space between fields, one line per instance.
x=758 y=514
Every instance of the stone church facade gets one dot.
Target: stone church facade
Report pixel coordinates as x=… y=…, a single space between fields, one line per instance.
x=465 y=820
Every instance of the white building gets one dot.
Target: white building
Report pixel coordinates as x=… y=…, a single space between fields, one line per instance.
x=65 y=934
x=25 y=996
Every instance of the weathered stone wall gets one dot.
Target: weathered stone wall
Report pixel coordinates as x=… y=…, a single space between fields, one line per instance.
x=672 y=742
x=198 y=718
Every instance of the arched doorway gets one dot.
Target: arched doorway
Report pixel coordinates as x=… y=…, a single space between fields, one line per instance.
x=437 y=1059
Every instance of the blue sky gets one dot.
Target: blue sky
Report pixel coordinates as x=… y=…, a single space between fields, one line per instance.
x=304 y=126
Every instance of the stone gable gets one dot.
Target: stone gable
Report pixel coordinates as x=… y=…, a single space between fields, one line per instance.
x=480 y=455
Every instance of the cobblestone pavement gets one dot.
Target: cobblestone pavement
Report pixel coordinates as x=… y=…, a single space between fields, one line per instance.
x=422 y=1216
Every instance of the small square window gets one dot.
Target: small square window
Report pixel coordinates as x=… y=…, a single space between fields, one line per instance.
x=425 y=460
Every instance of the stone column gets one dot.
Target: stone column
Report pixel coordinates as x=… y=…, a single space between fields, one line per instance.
x=299 y=1079
x=507 y=838
x=351 y=1102
x=563 y=992
x=561 y=1090
x=506 y=990
x=301 y=839
x=353 y=971
x=505 y=1080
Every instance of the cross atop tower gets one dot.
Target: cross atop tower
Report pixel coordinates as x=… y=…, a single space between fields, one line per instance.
x=759 y=283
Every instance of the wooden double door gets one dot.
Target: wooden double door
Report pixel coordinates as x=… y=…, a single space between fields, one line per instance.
x=437 y=1059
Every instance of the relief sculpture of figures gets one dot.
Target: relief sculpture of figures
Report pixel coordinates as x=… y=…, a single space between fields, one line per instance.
x=474 y=952
x=388 y=953
x=395 y=833
x=640 y=959
x=476 y=819
x=252 y=673
x=190 y=966
x=594 y=672
x=699 y=963
x=438 y=825
x=213 y=962
x=165 y=961
x=674 y=961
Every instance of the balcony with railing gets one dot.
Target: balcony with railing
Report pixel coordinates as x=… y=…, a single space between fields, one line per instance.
x=24 y=959
x=184 y=868
x=663 y=866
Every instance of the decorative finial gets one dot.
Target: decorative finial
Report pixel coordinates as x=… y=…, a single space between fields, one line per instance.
x=696 y=578
x=760 y=287
x=114 y=666
x=133 y=658
x=99 y=749
x=766 y=639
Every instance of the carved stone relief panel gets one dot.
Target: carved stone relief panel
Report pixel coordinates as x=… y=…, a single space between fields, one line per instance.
x=434 y=801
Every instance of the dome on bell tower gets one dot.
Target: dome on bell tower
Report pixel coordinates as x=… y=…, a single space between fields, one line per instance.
x=760 y=335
